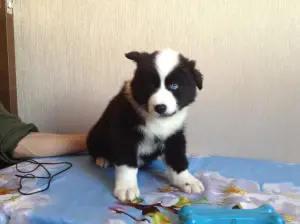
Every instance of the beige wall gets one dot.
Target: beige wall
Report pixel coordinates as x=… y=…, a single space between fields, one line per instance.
x=70 y=62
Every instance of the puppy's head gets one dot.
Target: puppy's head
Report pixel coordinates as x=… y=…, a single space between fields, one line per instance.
x=164 y=81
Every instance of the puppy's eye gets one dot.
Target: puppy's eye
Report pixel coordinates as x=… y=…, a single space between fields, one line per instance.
x=173 y=86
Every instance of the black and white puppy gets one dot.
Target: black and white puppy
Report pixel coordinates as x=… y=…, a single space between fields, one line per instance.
x=145 y=120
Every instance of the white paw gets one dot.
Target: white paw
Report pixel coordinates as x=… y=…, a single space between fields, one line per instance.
x=126 y=188
x=100 y=161
x=186 y=182
x=127 y=192
x=191 y=186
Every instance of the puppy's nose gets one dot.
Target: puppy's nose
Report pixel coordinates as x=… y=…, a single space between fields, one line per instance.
x=160 y=108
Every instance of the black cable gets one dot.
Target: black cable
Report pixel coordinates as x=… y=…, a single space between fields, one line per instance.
x=29 y=175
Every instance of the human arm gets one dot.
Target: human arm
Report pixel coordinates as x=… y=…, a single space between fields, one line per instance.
x=38 y=144
x=22 y=140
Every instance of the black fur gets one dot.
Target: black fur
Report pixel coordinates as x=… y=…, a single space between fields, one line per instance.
x=175 y=147
x=116 y=135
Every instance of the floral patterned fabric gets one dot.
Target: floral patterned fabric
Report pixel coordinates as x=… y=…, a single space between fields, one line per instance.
x=83 y=194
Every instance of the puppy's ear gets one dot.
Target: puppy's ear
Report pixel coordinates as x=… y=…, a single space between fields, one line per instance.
x=197 y=76
x=134 y=56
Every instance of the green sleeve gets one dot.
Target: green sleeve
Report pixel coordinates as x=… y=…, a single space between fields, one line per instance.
x=12 y=130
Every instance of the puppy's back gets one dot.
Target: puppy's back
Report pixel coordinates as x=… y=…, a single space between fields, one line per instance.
x=117 y=121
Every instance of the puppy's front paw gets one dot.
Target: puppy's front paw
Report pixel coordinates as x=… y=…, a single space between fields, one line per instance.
x=126 y=187
x=186 y=182
x=104 y=163
x=191 y=185
x=127 y=192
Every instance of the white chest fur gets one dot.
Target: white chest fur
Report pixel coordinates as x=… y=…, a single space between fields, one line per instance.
x=164 y=127
x=146 y=147
x=161 y=128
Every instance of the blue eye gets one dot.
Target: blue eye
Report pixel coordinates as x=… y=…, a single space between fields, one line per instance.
x=173 y=86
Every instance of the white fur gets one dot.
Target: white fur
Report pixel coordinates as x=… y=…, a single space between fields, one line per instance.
x=126 y=186
x=165 y=61
x=102 y=162
x=164 y=127
x=185 y=181
x=163 y=96
x=146 y=147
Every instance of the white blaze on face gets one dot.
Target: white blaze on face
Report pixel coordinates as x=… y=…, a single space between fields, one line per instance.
x=165 y=61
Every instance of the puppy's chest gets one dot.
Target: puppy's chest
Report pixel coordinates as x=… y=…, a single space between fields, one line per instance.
x=155 y=134
x=150 y=148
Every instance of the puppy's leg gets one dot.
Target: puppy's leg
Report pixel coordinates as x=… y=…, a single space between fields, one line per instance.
x=126 y=186
x=175 y=158
x=185 y=181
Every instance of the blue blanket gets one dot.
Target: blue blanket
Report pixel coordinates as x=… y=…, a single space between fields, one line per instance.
x=83 y=194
